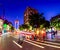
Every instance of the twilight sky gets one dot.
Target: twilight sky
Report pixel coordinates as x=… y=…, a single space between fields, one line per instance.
x=14 y=8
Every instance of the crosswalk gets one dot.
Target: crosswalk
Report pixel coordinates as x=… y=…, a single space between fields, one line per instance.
x=43 y=44
x=34 y=44
x=17 y=44
x=52 y=43
x=49 y=44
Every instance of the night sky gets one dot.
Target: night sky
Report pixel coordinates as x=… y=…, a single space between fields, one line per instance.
x=14 y=8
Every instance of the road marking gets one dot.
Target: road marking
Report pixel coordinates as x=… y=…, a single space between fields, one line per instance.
x=15 y=37
x=45 y=44
x=52 y=43
x=34 y=44
x=17 y=44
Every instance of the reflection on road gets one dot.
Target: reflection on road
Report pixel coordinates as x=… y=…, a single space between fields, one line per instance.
x=7 y=42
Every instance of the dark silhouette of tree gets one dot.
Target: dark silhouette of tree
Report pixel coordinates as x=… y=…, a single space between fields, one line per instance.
x=55 y=21
x=24 y=26
x=10 y=24
x=11 y=28
x=35 y=20
x=46 y=24
x=6 y=22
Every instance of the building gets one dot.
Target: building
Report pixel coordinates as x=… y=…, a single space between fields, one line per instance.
x=1 y=24
x=29 y=11
x=16 y=24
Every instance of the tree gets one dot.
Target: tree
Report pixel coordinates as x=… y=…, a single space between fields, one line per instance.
x=46 y=24
x=11 y=28
x=24 y=26
x=35 y=20
x=55 y=21
x=21 y=28
x=6 y=22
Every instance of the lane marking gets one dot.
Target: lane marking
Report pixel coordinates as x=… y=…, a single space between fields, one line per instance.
x=52 y=43
x=45 y=44
x=34 y=44
x=17 y=44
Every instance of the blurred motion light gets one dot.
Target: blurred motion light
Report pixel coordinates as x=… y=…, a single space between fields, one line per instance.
x=37 y=31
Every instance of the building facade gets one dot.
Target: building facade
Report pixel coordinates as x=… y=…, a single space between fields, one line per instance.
x=29 y=11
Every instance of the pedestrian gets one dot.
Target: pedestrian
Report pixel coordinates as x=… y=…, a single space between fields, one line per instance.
x=35 y=37
x=44 y=34
x=30 y=37
x=18 y=40
x=52 y=34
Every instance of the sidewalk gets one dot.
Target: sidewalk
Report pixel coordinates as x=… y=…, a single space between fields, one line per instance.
x=0 y=44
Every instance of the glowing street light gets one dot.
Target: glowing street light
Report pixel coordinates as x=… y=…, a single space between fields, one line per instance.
x=5 y=26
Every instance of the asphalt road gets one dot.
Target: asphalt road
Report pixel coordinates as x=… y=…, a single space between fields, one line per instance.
x=10 y=43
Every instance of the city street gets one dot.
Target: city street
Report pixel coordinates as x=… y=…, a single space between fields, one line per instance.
x=29 y=24
x=9 y=42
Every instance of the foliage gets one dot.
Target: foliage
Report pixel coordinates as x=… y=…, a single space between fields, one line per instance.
x=6 y=22
x=46 y=24
x=38 y=20
x=12 y=28
x=55 y=21
x=23 y=26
